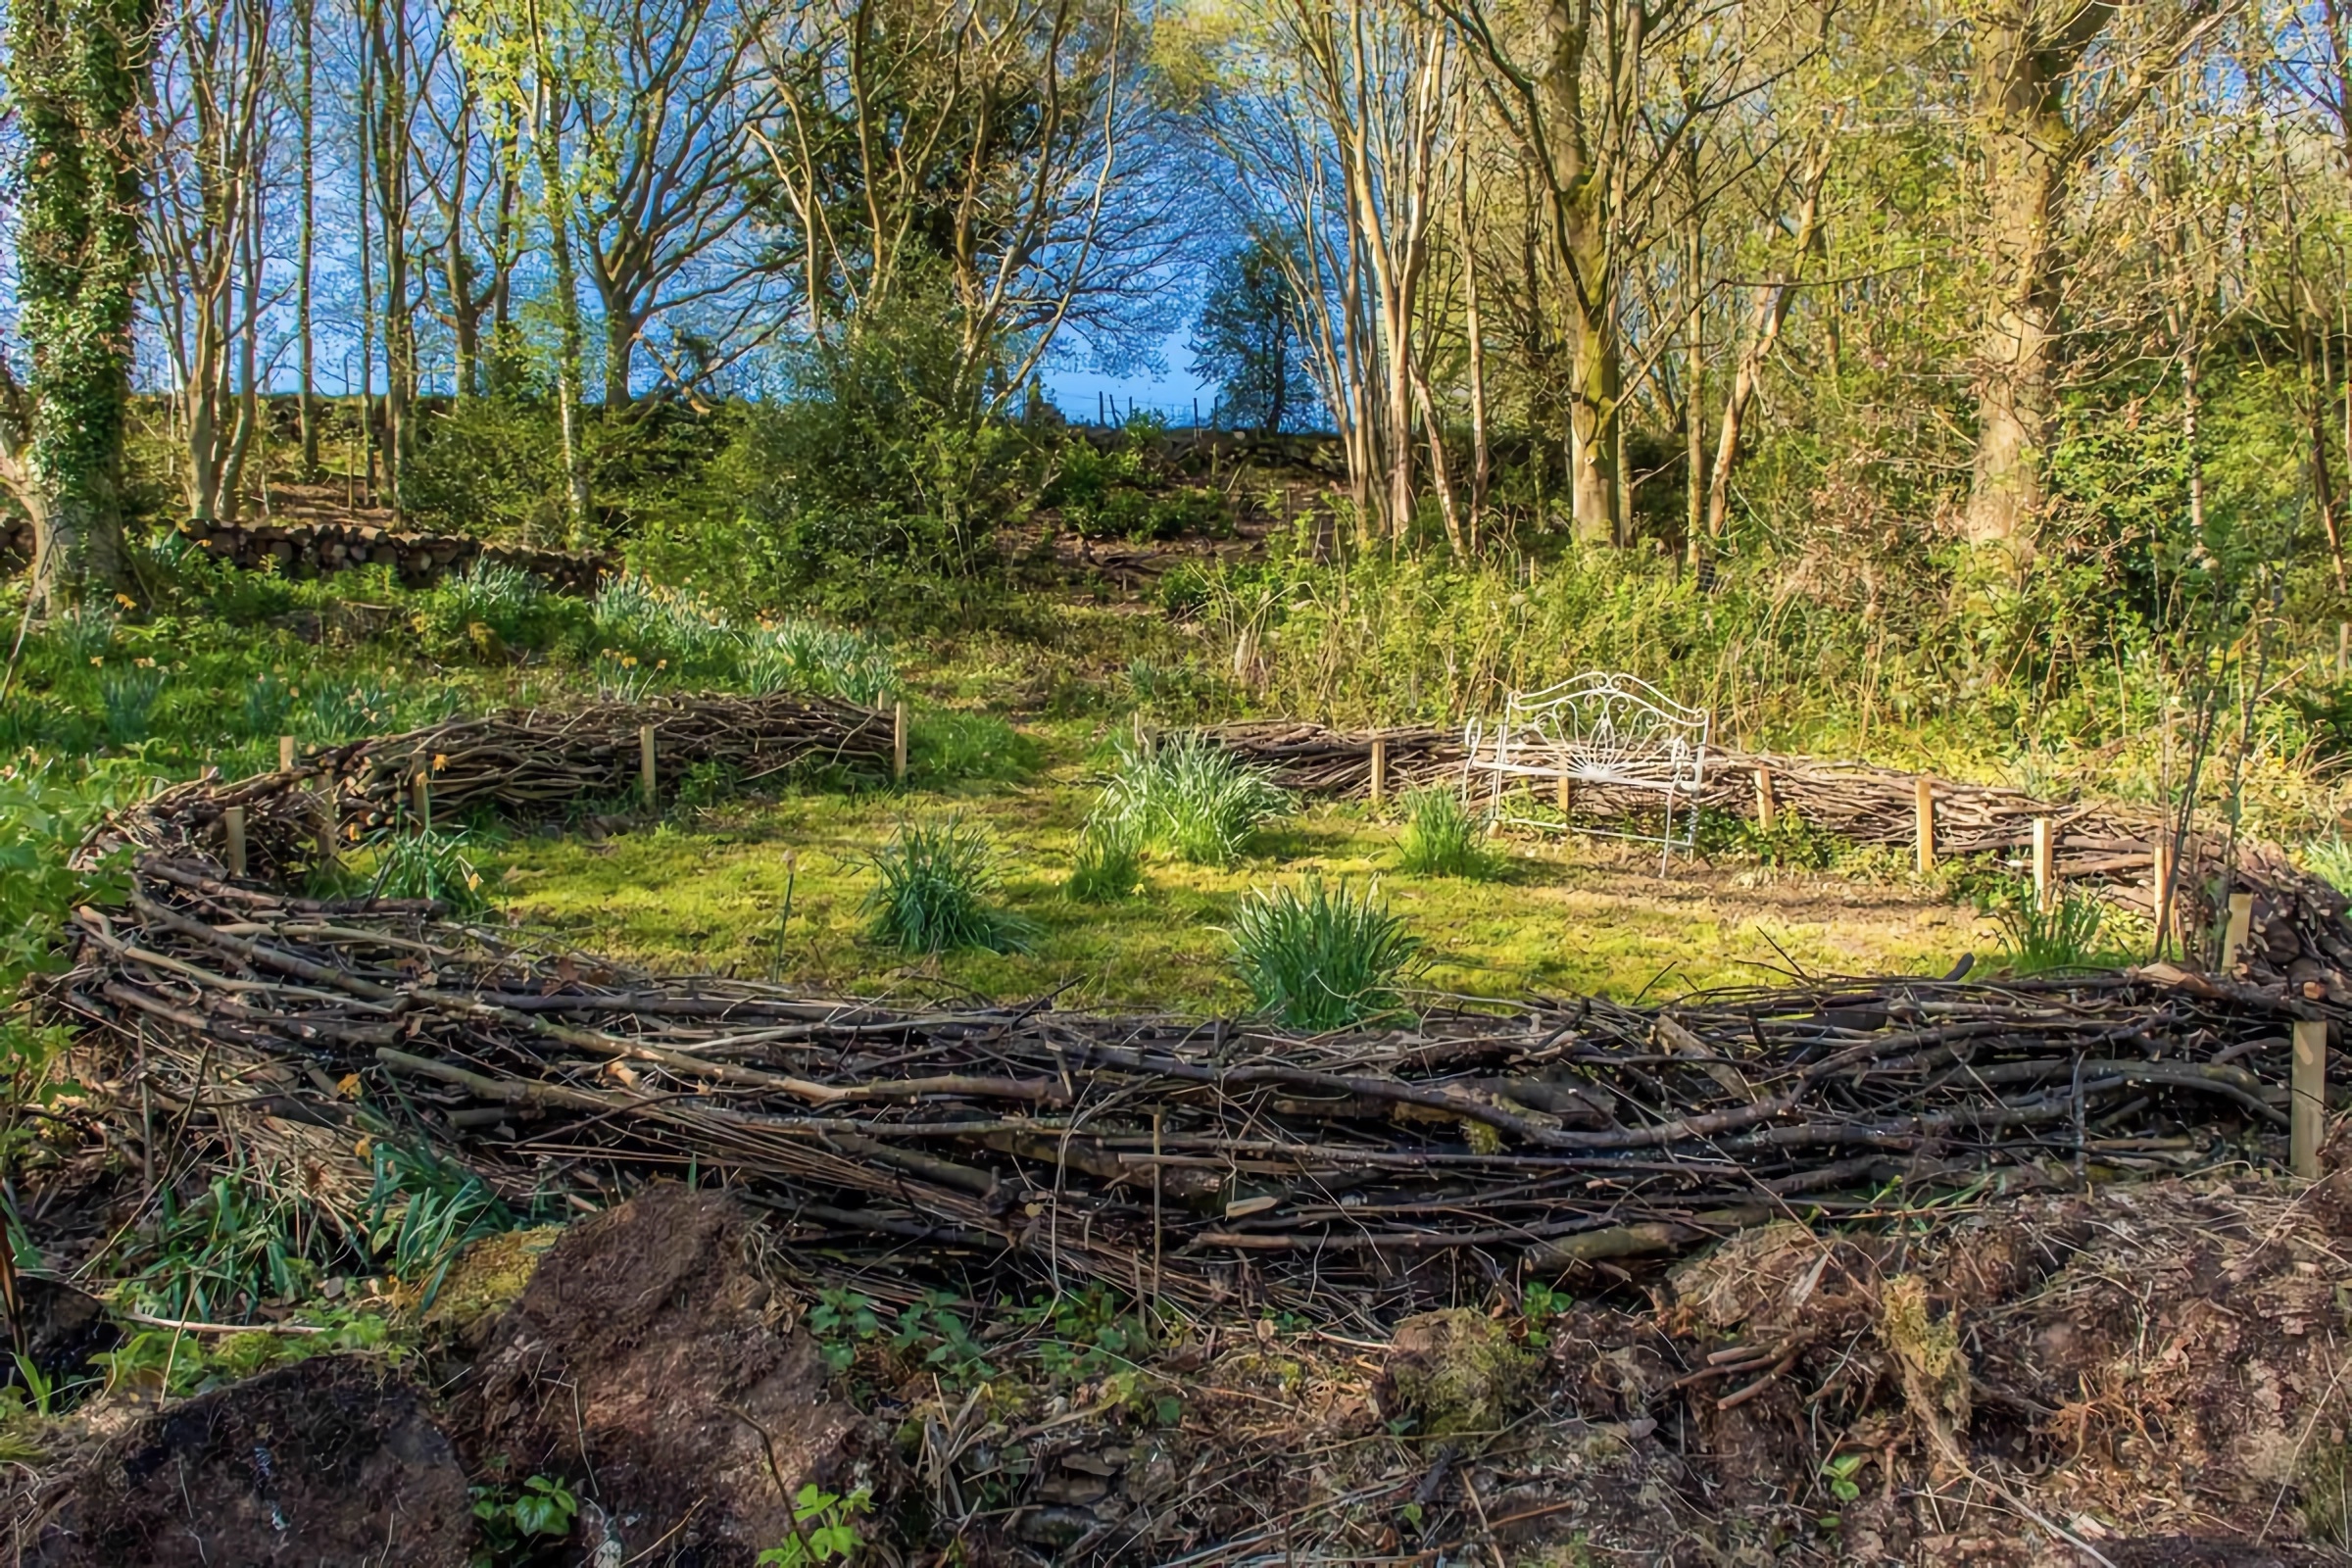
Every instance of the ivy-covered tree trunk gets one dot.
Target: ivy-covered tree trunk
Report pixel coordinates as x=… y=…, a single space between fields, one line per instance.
x=78 y=69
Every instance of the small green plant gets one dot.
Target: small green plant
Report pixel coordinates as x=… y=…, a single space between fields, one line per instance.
x=1790 y=844
x=1442 y=838
x=1321 y=957
x=932 y=893
x=510 y=1526
x=1839 y=1473
x=824 y=1528
x=840 y=1322
x=429 y=864
x=1190 y=797
x=1109 y=862
x=2063 y=935
x=1085 y=1336
x=929 y=1325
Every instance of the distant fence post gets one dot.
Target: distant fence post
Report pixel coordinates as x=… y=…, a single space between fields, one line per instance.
x=2241 y=923
x=285 y=754
x=648 y=780
x=2307 y=1098
x=232 y=824
x=1768 y=808
x=898 y=742
x=2045 y=862
x=421 y=799
x=1380 y=767
x=1924 y=824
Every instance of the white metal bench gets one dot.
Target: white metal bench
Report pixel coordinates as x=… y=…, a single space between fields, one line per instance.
x=1613 y=732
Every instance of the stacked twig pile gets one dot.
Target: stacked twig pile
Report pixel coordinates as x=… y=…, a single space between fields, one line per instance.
x=2298 y=930
x=522 y=764
x=1199 y=1161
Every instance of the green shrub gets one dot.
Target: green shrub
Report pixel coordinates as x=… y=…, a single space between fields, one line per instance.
x=488 y=467
x=490 y=609
x=874 y=487
x=1321 y=958
x=1190 y=797
x=1441 y=837
x=1110 y=861
x=933 y=889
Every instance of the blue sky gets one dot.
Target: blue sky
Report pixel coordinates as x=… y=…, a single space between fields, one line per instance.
x=1171 y=392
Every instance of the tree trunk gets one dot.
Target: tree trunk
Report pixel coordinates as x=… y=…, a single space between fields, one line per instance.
x=1771 y=311
x=1592 y=396
x=568 y=345
x=2023 y=59
x=78 y=75
x=2017 y=343
x=1694 y=378
x=620 y=343
x=304 y=109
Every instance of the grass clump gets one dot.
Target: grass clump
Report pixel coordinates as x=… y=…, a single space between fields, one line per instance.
x=1190 y=798
x=429 y=864
x=1442 y=838
x=1320 y=958
x=802 y=655
x=2331 y=861
x=933 y=892
x=2037 y=940
x=1109 y=864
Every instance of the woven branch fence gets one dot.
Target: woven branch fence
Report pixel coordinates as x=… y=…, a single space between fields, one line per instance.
x=1200 y=1164
x=2297 y=930
x=521 y=764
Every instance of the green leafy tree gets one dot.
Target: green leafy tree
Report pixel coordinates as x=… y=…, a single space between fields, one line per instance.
x=1248 y=342
x=77 y=68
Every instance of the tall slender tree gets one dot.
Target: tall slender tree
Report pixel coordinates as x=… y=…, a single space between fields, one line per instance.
x=78 y=70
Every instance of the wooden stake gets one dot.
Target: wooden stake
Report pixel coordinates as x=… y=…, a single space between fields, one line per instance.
x=2161 y=896
x=1567 y=796
x=2307 y=1098
x=898 y=742
x=2343 y=647
x=2045 y=862
x=285 y=754
x=1924 y=819
x=2241 y=922
x=1768 y=809
x=421 y=800
x=328 y=826
x=232 y=824
x=1380 y=768
x=647 y=780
